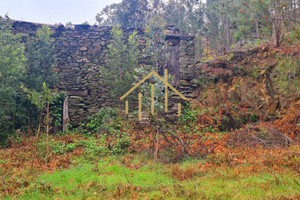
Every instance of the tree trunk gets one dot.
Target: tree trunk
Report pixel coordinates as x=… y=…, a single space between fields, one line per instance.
x=276 y=23
x=157 y=140
x=276 y=32
x=40 y=123
x=37 y=136
x=228 y=32
x=257 y=29
x=157 y=146
x=47 y=128
x=14 y=120
x=66 y=118
x=28 y=116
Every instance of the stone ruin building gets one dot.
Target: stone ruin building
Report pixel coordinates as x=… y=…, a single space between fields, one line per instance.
x=81 y=79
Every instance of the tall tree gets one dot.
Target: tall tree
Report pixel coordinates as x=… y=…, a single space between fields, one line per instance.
x=12 y=67
x=39 y=70
x=186 y=15
x=41 y=61
x=156 y=49
x=122 y=59
x=258 y=16
x=213 y=27
x=128 y=13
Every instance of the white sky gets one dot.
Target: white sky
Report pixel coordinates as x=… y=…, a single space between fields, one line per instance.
x=54 y=11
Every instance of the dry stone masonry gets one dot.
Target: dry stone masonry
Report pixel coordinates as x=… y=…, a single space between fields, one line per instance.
x=82 y=49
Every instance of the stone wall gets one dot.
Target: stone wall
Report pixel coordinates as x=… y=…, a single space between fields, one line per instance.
x=82 y=49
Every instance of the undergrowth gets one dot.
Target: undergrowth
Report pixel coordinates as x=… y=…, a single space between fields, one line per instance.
x=139 y=177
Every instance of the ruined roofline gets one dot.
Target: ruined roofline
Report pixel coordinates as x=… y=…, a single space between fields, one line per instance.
x=34 y=23
x=171 y=34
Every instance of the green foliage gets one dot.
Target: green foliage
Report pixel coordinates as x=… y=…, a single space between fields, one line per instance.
x=31 y=67
x=39 y=70
x=244 y=31
x=58 y=147
x=295 y=33
x=71 y=146
x=156 y=53
x=94 y=147
x=156 y=50
x=238 y=36
x=12 y=67
x=100 y=179
x=121 y=143
x=254 y=72
x=189 y=115
x=184 y=14
x=209 y=129
x=203 y=80
x=41 y=61
x=231 y=55
x=3 y=139
x=159 y=87
x=128 y=13
x=107 y=119
x=99 y=146
x=39 y=82
x=237 y=20
x=103 y=175
x=108 y=122
x=122 y=59
x=258 y=42
x=187 y=15
x=211 y=28
x=240 y=70
x=189 y=118
x=57 y=108
x=55 y=147
x=40 y=99
x=286 y=76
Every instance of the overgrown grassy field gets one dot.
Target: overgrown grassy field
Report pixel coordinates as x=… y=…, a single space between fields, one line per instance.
x=114 y=178
x=240 y=173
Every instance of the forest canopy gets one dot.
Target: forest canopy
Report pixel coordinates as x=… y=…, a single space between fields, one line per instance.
x=227 y=22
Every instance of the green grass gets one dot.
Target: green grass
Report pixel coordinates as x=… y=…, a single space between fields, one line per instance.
x=3 y=161
x=260 y=186
x=111 y=178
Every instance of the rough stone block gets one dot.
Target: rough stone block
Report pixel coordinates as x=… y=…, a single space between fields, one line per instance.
x=81 y=93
